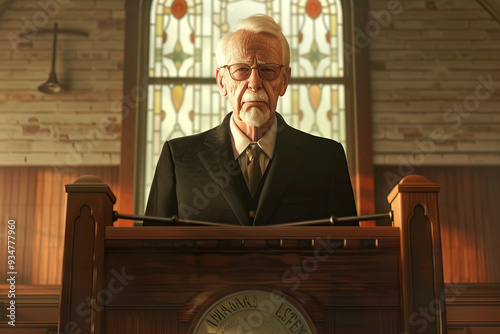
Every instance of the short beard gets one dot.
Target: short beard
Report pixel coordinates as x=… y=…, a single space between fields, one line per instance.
x=255 y=117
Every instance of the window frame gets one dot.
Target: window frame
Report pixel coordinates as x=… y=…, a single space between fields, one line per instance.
x=135 y=81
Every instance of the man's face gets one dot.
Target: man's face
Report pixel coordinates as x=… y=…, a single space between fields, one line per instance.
x=253 y=100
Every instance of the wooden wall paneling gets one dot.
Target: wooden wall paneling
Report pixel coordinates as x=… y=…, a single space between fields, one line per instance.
x=4 y=217
x=41 y=226
x=464 y=247
x=451 y=218
x=473 y=229
x=44 y=226
x=13 y=200
x=485 y=221
x=493 y=228
x=35 y=198
x=446 y=232
x=67 y=179
x=469 y=222
x=44 y=203
x=458 y=248
x=13 y=192
x=454 y=218
x=5 y=214
x=36 y=310
x=29 y=230
x=18 y=191
x=473 y=306
x=49 y=219
x=468 y=205
x=479 y=223
x=25 y=213
x=36 y=225
x=483 y=237
x=58 y=232
x=53 y=223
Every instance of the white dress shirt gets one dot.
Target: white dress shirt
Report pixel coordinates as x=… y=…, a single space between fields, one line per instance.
x=240 y=142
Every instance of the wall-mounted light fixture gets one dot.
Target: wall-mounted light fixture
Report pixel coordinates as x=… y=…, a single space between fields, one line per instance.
x=52 y=86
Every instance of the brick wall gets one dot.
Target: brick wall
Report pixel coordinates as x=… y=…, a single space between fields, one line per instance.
x=435 y=83
x=81 y=125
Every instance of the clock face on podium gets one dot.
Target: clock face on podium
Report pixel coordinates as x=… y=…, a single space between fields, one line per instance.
x=253 y=311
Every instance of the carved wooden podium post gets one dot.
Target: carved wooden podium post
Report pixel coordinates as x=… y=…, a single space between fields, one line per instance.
x=89 y=211
x=165 y=279
x=415 y=209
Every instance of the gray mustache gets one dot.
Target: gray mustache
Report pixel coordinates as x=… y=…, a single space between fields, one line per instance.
x=260 y=97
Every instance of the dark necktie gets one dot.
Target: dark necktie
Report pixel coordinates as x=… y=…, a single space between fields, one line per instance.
x=253 y=168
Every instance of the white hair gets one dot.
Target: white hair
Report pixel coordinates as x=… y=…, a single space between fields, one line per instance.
x=258 y=23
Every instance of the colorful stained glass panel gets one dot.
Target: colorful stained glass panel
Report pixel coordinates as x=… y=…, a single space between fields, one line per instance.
x=183 y=38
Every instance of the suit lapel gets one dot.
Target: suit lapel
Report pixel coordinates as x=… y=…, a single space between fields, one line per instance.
x=283 y=169
x=219 y=161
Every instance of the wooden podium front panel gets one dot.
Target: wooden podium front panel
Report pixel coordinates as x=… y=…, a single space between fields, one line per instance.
x=161 y=279
x=350 y=286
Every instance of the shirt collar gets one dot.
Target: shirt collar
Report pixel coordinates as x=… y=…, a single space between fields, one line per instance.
x=240 y=141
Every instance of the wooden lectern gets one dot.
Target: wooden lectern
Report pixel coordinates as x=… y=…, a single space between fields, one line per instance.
x=270 y=279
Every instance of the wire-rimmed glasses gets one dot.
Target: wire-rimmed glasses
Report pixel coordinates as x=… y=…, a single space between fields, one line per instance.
x=240 y=72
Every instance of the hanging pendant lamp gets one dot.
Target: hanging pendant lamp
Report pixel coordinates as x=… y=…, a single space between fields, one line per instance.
x=52 y=86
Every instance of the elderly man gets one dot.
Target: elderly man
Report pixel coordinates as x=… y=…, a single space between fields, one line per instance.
x=252 y=169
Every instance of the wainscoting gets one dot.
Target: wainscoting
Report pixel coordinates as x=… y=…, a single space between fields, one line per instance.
x=468 y=202
x=34 y=197
x=468 y=214
x=471 y=309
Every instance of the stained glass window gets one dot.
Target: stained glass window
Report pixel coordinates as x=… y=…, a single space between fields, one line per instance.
x=183 y=97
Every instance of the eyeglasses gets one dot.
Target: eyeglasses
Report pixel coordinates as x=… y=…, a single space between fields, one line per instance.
x=240 y=72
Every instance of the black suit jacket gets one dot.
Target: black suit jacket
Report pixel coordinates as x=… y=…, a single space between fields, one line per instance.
x=198 y=178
